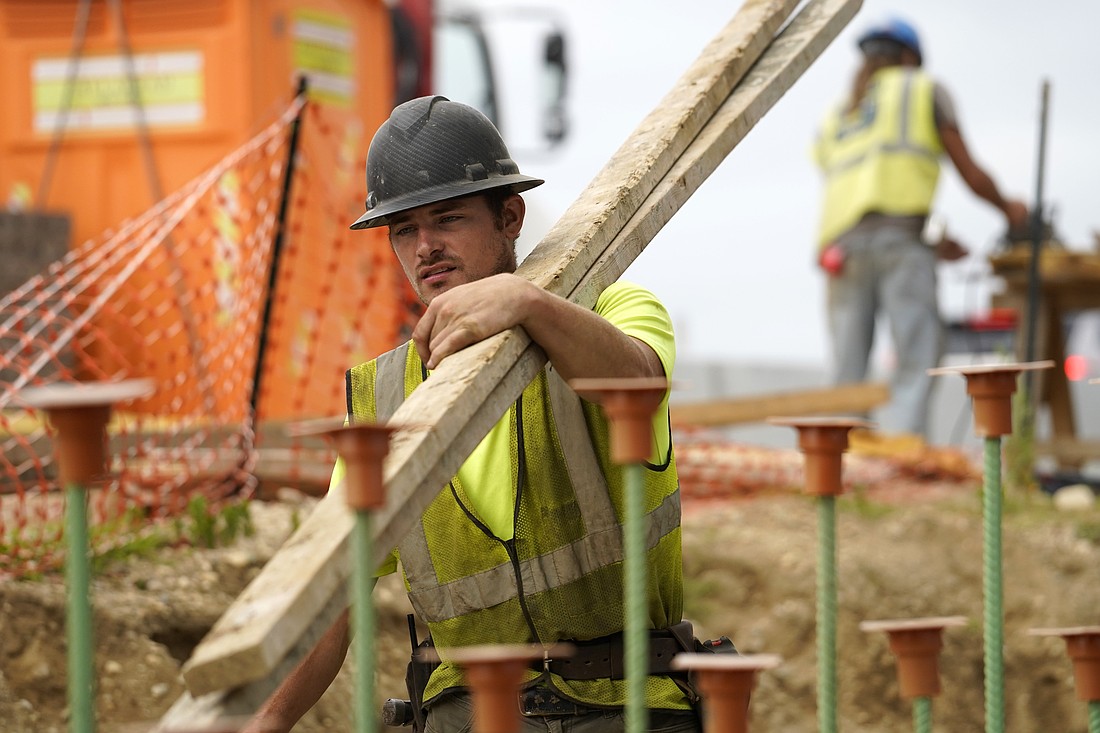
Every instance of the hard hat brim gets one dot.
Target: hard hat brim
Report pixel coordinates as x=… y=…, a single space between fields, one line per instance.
x=378 y=216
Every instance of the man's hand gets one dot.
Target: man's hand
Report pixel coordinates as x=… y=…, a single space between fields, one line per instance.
x=1017 y=215
x=470 y=313
x=950 y=250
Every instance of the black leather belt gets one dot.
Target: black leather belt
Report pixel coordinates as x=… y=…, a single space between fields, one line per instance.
x=603 y=658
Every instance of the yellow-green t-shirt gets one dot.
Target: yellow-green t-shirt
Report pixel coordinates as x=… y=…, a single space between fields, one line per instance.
x=487 y=475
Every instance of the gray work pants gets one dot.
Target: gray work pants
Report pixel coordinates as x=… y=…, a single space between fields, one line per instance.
x=888 y=269
x=454 y=714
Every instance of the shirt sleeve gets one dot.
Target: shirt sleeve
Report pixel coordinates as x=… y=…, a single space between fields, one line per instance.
x=943 y=108
x=389 y=564
x=638 y=313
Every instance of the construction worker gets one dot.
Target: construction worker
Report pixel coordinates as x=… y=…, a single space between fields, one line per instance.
x=879 y=151
x=523 y=545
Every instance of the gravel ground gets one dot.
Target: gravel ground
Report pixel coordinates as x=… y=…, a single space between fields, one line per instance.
x=749 y=574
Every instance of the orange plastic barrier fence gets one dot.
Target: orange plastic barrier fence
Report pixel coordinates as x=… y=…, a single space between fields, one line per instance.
x=177 y=295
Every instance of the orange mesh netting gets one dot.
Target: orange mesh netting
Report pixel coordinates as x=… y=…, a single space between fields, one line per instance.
x=711 y=466
x=177 y=295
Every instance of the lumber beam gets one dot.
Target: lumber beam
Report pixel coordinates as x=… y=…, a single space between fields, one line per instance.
x=230 y=707
x=847 y=398
x=447 y=416
x=1069 y=450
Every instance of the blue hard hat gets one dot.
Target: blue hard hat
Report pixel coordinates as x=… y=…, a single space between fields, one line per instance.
x=896 y=30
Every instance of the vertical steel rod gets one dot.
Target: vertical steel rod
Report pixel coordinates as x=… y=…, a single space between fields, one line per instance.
x=635 y=630
x=826 y=614
x=992 y=588
x=922 y=714
x=364 y=622
x=277 y=250
x=1037 y=233
x=81 y=657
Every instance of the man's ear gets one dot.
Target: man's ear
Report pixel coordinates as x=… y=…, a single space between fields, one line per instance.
x=514 y=210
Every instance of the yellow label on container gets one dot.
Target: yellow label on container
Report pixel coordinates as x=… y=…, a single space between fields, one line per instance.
x=323 y=51
x=100 y=96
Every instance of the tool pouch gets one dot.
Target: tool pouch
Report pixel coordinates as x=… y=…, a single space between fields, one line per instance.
x=684 y=635
x=417 y=673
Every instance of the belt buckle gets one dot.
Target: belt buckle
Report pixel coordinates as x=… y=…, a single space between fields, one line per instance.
x=540 y=701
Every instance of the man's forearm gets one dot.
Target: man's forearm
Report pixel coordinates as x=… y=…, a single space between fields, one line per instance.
x=981 y=183
x=303 y=687
x=974 y=176
x=580 y=343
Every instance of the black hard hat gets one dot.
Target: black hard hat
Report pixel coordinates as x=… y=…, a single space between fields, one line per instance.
x=432 y=149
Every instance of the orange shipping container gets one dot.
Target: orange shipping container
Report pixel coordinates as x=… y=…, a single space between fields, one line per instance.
x=211 y=74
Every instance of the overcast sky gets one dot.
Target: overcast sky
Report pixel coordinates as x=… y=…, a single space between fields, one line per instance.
x=735 y=264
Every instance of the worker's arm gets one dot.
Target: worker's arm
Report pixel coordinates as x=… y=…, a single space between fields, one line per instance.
x=980 y=182
x=578 y=342
x=304 y=686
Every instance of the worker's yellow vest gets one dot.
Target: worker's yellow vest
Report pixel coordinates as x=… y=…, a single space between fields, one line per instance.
x=881 y=157
x=472 y=588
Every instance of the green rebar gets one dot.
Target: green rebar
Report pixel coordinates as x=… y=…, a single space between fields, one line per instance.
x=363 y=619
x=992 y=589
x=1094 y=716
x=922 y=714
x=635 y=628
x=79 y=627
x=826 y=614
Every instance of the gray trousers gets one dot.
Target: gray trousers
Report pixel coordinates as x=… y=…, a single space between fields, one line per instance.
x=888 y=269
x=454 y=714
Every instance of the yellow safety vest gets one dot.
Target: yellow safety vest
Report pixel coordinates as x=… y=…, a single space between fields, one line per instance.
x=542 y=586
x=881 y=157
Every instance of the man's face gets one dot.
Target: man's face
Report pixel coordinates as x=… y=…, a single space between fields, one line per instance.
x=456 y=241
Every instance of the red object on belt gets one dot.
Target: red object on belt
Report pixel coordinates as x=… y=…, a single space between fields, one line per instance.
x=831 y=259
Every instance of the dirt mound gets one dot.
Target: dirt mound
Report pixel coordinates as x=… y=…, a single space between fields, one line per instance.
x=749 y=570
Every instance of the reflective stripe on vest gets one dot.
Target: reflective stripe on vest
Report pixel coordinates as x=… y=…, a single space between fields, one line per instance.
x=882 y=157
x=391 y=370
x=601 y=546
x=436 y=602
x=478 y=600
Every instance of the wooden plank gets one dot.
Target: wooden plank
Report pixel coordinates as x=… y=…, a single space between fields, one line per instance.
x=792 y=51
x=848 y=398
x=471 y=389
x=228 y=706
x=1071 y=451
x=579 y=238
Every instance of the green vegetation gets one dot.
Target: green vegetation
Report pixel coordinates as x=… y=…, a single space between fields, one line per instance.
x=858 y=502
x=1019 y=447
x=210 y=528
x=1089 y=530
x=131 y=534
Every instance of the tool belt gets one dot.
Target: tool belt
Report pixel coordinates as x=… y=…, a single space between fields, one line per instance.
x=602 y=658
x=543 y=702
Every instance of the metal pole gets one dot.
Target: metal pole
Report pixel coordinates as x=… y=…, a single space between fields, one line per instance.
x=635 y=631
x=81 y=657
x=276 y=251
x=826 y=614
x=922 y=714
x=1037 y=227
x=992 y=588
x=362 y=584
